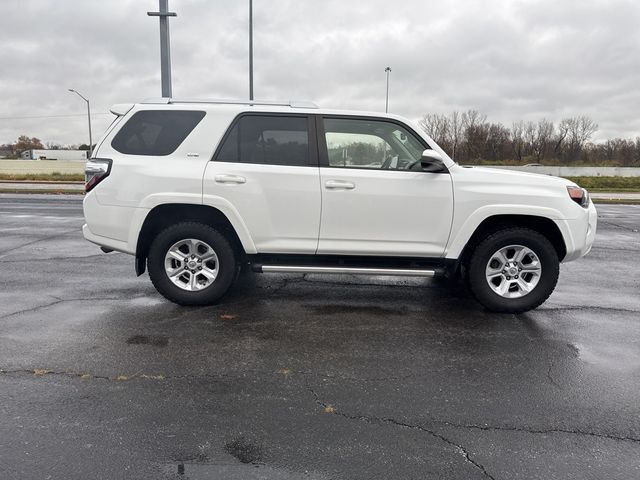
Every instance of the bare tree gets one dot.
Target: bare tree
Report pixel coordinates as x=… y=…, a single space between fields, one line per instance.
x=517 y=138
x=456 y=129
x=437 y=127
x=544 y=134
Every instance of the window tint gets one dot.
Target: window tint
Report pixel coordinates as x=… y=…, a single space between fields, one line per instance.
x=271 y=140
x=155 y=132
x=371 y=144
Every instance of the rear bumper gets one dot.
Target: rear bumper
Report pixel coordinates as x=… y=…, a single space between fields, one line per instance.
x=112 y=226
x=105 y=241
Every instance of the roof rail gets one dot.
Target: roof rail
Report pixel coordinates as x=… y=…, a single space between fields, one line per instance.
x=290 y=103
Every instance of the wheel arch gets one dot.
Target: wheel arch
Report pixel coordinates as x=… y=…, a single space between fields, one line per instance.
x=162 y=216
x=543 y=225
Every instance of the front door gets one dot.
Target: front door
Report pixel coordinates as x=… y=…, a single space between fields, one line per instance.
x=376 y=200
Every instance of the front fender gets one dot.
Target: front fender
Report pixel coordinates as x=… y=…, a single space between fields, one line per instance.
x=460 y=238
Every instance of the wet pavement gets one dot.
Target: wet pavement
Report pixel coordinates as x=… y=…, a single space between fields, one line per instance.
x=309 y=376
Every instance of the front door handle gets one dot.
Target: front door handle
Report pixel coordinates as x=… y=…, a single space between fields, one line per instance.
x=237 y=179
x=339 y=185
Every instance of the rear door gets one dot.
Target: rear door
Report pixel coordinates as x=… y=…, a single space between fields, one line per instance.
x=267 y=168
x=376 y=200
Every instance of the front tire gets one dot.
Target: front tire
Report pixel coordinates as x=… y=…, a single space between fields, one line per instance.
x=191 y=264
x=513 y=270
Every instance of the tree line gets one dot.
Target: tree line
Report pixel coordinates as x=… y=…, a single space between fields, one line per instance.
x=24 y=142
x=469 y=138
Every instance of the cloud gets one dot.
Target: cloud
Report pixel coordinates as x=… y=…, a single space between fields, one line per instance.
x=512 y=60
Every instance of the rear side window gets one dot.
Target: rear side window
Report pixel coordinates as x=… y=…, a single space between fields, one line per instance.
x=269 y=140
x=155 y=132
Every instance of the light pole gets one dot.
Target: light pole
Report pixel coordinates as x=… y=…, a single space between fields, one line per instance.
x=250 y=49
x=88 y=117
x=386 y=103
x=165 y=46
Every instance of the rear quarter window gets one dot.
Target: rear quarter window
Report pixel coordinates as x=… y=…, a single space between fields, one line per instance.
x=155 y=132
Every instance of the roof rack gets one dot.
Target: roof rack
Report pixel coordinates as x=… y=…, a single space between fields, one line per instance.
x=290 y=103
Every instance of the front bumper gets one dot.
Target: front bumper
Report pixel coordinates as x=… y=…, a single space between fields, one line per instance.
x=581 y=233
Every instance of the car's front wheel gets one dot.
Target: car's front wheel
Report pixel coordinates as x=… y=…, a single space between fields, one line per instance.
x=191 y=264
x=513 y=270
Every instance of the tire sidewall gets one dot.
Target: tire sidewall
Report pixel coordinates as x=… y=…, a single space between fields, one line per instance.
x=226 y=263
x=539 y=245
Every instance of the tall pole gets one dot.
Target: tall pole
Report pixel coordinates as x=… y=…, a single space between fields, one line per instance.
x=386 y=103
x=250 y=49
x=165 y=50
x=88 y=117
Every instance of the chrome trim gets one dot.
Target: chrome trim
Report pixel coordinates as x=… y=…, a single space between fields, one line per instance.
x=401 y=272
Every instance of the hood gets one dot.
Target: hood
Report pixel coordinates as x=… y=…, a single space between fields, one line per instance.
x=517 y=176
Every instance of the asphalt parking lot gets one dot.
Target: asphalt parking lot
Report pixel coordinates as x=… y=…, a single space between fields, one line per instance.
x=309 y=376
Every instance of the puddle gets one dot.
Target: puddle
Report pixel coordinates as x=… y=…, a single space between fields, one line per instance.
x=244 y=451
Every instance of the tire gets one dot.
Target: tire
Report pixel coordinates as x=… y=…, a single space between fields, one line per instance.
x=503 y=284
x=186 y=280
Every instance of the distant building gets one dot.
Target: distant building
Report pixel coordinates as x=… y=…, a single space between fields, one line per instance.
x=54 y=155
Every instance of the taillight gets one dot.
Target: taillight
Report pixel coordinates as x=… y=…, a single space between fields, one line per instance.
x=96 y=170
x=579 y=195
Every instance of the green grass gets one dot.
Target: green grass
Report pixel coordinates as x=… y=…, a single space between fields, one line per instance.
x=50 y=191
x=616 y=201
x=46 y=177
x=608 y=184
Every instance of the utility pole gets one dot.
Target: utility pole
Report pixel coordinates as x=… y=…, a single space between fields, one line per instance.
x=165 y=50
x=250 y=49
x=88 y=117
x=386 y=103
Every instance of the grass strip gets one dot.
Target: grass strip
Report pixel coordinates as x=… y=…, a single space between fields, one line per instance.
x=45 y=177
x=608 y=184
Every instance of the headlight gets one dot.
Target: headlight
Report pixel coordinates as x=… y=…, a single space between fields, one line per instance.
x=579 y=195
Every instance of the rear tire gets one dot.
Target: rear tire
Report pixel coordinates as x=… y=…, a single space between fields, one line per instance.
x=191 y=264
x=513 y=270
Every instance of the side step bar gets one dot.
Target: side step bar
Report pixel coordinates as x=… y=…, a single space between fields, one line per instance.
x=401 y=272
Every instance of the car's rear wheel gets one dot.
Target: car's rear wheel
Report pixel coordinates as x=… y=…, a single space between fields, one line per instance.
x=513 y=270
x=191 y=264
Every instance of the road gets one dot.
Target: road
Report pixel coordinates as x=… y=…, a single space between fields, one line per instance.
x=311 y=376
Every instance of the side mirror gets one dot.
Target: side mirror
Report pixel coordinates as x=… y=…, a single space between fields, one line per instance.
x=431 y=161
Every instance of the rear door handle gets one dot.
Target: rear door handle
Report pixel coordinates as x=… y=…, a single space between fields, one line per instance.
x=339 y=185
x=237 y=179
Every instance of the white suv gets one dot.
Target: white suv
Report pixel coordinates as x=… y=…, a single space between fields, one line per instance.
x=195 y=189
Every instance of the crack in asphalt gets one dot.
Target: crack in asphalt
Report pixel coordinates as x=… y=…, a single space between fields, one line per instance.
x=330 y=409
x=54 y=258
x=623 y=227
x=371 y=420
x=59 y=300
x=50 y=237
x=535 y=431
x=42 y=372
x=550 y=376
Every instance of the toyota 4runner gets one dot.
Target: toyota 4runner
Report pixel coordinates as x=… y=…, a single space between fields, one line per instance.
x=195 y=189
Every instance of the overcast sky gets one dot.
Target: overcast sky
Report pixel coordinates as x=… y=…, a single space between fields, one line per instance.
x=511 y=59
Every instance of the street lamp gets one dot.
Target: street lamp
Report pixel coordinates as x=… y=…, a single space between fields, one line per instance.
x=250 y=49
x=386 y=103
x=88 y=117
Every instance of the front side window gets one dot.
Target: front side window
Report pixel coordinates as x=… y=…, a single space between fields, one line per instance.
x=267 y=139
x=374 y=144
x=155 y=132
